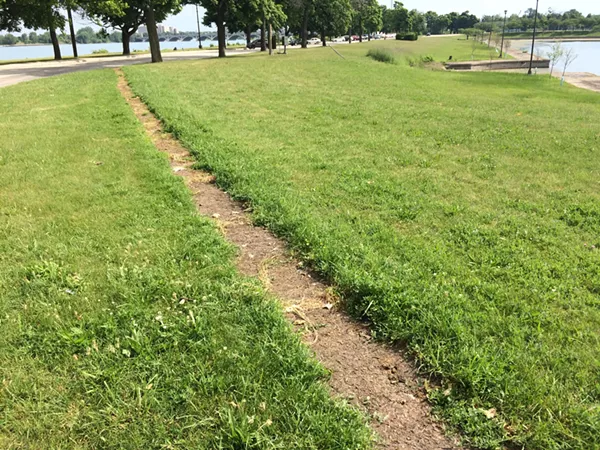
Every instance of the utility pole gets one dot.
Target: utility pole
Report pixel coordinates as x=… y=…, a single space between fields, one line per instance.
x=199 y=34
x=537 y=3
x=503 y=29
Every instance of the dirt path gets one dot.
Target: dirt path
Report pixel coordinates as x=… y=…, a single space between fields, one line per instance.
x=371 y=375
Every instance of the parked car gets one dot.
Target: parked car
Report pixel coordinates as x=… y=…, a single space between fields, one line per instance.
x=314 y=41
x=254 y=44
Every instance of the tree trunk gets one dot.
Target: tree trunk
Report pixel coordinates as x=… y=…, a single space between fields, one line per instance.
x=55 y=43
x=360 y=32
x=323 y=38
x=350 y=36
x=153 y=35
x=273 y=38
x=126 y=38
x=221 y=29
x=263 y=34
x=72 y=30
x=305 y=29
x=248 y=36
x=270 y=39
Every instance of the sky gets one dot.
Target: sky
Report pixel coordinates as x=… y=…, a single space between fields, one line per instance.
x=186 y=19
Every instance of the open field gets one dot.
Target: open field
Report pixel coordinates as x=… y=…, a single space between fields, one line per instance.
x=458 y=212
x=123 y=321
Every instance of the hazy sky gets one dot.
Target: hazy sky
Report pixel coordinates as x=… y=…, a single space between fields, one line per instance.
x=186 y=20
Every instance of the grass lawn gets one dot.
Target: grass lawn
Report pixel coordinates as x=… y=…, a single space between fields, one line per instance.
x=458 y=212
x=123 y=323
x=438 y=48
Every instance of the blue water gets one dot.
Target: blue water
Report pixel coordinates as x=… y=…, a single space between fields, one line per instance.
x=45 y=51
x=588 y=55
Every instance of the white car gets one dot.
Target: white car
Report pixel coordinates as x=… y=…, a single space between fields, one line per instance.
x=314 y=41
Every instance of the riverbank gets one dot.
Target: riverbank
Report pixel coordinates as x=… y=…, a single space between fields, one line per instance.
x=581 y=79
x=554 y=35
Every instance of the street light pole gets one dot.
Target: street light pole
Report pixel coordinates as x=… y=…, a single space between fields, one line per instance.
x=537 y=2
x=503 y=29
x=198 y=20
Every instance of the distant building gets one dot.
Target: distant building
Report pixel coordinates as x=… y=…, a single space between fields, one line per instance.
x=174 y=30
x=162 y=29
x=143 y=30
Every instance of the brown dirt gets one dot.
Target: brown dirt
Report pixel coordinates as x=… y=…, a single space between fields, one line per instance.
x=373 y=376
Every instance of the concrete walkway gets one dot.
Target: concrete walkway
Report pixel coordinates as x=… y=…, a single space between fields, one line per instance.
x=17 y=73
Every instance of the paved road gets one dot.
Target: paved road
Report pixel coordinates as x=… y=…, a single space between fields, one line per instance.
x=17 y=73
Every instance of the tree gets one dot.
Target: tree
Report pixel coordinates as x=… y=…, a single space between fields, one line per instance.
x=86 y=35
x=373 y=17
x=437 y=24
x=298 y=13
x=128 y=20
x=555 y=54
x=33 y=14
x=568 y=56
x=466 y=20
x=246 y=17
x=128 y=15
x=417 y=22
x=469 y=32
x=8 y=39
x=217 y=12
x=332 y=17
x=396 y=20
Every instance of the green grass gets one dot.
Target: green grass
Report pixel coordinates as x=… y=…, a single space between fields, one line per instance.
x=457 y=212
x=439 y=48
x=123 y=322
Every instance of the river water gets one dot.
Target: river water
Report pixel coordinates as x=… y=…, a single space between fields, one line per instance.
x=588 y=54
x=45 y=51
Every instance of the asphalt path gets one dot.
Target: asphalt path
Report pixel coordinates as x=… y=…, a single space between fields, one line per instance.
x=20 y=72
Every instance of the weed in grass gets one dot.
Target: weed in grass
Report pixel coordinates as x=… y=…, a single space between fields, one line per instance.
x=381 y=55
x=455 y=211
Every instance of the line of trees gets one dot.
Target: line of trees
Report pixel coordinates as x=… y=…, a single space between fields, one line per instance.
x=571 y=20
x=304 y=18
x=85 y=35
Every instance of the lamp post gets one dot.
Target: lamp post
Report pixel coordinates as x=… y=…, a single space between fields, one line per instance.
x=537 y=2
x=503 y=30
x=198 y=20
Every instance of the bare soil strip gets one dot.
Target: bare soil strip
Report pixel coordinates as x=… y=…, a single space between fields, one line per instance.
x=371 y=375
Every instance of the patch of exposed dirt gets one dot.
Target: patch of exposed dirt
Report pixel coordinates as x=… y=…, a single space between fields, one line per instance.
x=373 y=376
